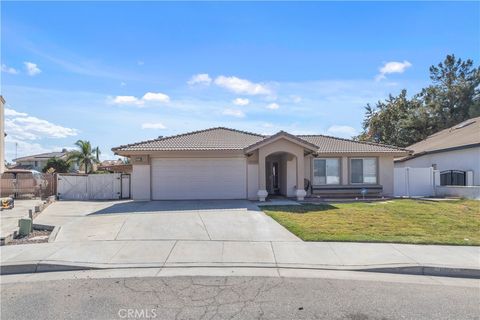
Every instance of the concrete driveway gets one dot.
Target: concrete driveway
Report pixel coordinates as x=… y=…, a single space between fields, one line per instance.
x=228 y=220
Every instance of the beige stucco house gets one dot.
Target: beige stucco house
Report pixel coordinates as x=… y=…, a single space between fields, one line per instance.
x=39 y=161
x=222 y=163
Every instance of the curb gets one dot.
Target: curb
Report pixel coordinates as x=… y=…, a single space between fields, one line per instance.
x=39 y=267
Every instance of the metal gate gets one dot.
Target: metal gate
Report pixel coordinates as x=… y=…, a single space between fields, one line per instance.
x=93 y=186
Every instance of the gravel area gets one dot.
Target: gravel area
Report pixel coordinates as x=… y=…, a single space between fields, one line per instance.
x=36 y=236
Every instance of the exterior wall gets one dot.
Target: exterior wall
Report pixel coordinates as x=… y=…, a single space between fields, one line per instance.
x=252 y=181
x=281 y=145
x=291 y=183
x=140 y=182
x=465 y=160
x=2 y=135
x=308 y=169
x=469 y=192
x=385 y=174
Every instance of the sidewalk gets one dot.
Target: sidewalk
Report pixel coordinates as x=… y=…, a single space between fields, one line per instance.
x=9 y=217
x=461 y=261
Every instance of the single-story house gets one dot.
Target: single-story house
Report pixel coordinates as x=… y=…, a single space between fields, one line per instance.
x=223 y=163
x=38 y=161
x=455 y=152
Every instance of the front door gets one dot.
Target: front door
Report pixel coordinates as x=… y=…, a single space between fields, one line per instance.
x=275 y=180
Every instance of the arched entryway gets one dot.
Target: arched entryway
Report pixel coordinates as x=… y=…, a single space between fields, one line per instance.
x=281 y=174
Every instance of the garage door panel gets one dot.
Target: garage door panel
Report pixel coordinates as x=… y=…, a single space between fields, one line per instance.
x=212 y=178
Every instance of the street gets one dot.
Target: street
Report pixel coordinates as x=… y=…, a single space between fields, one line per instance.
x=219 y=297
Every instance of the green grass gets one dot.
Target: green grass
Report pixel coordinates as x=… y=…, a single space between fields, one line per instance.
x=400 y=221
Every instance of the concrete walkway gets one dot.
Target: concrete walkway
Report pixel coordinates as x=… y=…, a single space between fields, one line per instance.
x=9 y=217
x=414 y=259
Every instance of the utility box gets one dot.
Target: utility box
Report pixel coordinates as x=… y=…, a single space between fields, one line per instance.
x=25 y=226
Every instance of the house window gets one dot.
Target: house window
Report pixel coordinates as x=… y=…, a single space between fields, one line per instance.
x=326 y=171
x=36 y=164
x=363 y=170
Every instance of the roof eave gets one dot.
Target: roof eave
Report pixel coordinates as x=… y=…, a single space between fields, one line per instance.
x=281 y=135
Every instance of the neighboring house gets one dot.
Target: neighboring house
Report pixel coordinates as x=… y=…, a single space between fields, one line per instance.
x=38 y=161
x=455 y=152
x=115 y=166
x=2 y=135
x=222 y=163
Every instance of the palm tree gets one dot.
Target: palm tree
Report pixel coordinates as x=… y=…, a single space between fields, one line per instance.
x=85 y=156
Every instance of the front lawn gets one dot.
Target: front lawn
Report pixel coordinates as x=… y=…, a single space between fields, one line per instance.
x=401 y=221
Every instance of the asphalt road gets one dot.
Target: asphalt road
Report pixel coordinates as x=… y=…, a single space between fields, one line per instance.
x=236 y=298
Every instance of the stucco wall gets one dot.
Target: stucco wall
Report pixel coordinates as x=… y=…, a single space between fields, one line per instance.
x=252 y=181
x=385 y=174
x=465 y=160
x=140 y=182
x=469 y=192
x=291 y=177
x=281 y=145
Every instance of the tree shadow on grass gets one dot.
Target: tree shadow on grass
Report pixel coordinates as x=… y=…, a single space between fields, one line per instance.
x=304 y=208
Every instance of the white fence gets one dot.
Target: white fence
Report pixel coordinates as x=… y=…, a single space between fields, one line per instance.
x=93 y=186
x=414 y=182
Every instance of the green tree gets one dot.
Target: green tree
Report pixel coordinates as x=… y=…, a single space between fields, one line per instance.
x=396 y=121
x=452 y=97
x=85 y=156
x=56 y=165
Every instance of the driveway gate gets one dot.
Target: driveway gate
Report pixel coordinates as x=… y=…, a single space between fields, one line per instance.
x=109 y=186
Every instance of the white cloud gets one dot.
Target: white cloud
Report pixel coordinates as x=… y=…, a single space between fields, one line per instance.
x=151 y=125
x=267 y=125
x=273 y=106
x=130 y=100
x=21 y=126
x=241 y=102
x=147 y=97
x=234 y=113
x=32 y=68
x=10 y=70
x=392 y=67
x=140 y=62
x=123 y=84
x=156 y=96
x=242 y=86
x=13 y=113
x=201 y=78
x=342 y=131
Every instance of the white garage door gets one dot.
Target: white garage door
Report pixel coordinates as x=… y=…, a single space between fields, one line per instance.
x=200 y=178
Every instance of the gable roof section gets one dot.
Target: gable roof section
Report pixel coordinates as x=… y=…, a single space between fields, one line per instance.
x=41 y=156
x=460 y=136
x=327 y=144
x=210 y=139
x=230 y=139
x=279 y=135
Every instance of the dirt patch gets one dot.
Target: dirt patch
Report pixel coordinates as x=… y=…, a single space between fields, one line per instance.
x=36 y=236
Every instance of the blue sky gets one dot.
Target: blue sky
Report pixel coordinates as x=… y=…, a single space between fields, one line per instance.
x=119 y=72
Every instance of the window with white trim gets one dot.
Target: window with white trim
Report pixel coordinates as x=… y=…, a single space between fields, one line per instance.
x=363 y=170
x=326 y=171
